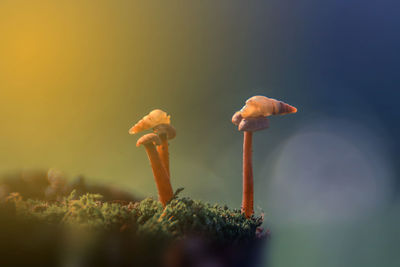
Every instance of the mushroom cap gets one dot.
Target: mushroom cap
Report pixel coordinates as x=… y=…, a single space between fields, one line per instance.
x=258 y=106
x=253 y=124
x=154 y=118
x=237 y=118
x=150 y=138
x=167 y=129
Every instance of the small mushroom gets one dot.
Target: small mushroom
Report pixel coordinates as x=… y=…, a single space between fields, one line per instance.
x=251 y=118
x=160 y=122
x=161 y=177
x=151 y=120
x=165 y=132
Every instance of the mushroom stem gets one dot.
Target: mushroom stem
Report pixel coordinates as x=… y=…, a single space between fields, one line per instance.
x=161 y=177
x=248 y=189
x=164 y=153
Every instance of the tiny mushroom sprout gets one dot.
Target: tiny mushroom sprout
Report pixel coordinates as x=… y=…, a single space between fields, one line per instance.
x=161 y=177
x=165 y=132
x=253 y=117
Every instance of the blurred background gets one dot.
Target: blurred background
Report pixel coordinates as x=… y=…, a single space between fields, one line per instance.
x=76 y=75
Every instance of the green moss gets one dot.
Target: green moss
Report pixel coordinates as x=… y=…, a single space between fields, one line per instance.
x=88 y=231
x=180 y=218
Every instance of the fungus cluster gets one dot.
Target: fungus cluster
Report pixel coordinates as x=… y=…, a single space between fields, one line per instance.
x=156 y=145
x=251 y=118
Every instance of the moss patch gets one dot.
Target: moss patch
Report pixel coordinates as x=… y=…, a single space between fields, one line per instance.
x=86 y=231
x=180 y=218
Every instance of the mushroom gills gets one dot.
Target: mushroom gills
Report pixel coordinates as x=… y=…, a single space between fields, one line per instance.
x=253 y=124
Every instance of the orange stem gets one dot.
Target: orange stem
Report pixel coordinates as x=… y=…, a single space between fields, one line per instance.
x=164 y=153
x=161 y=177
x=248 y=187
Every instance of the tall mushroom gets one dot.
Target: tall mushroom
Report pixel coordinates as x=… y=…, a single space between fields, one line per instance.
x=253 y=117
x=161 y=177
x=165 y=132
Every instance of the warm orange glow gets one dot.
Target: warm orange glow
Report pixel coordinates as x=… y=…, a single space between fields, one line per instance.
x=73 y=75
x=34 y=47
x=154 y=118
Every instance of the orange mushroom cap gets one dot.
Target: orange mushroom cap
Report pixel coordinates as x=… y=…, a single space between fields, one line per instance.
x=154 y=118
x=262 y=106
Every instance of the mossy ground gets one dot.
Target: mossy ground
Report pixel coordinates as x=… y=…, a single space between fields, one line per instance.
x=181 y=217
x=138 y=230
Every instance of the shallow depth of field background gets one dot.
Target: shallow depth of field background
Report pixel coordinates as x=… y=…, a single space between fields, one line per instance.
x=76 y=75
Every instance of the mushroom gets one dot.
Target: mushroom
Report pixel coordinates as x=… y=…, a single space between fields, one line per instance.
x=160 y=122
x=151 y=120
x=161 y=177
x=165 y=132
x=251 y=118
